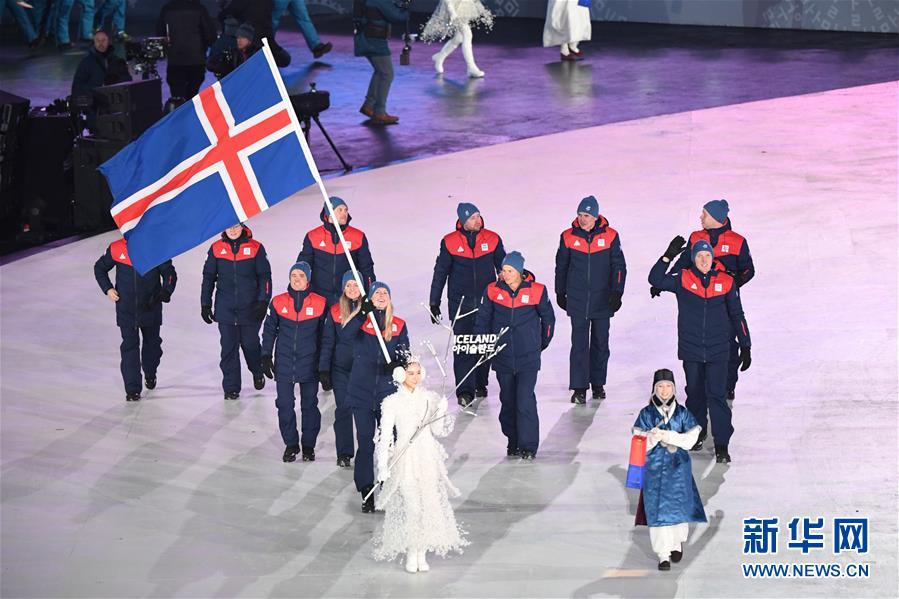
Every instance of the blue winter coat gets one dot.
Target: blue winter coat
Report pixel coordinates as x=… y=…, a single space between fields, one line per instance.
x=378 y=14
x=588 y=266
x=529 y=316
x=707 y=307
x=466 y=264
x=135 y=291
x=239 y=272
x=669 y=492
x=337 y=342
x=369 y=384
x=321 y=249
x=295 y=320
x=731 y=249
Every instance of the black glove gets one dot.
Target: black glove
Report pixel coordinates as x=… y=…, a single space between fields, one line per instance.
x=259 y=310
x=390 y=366
x=435 y=313
x=562 y=301
x=614 y=301
x=268 y=367
x=655 y=291
x=165 y=296
x=676 y=246
x=324 y=377
x=367 y=307
x=206 y=314
x=745 y=358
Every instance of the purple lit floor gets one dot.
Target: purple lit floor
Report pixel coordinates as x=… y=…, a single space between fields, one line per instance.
x=183 y=494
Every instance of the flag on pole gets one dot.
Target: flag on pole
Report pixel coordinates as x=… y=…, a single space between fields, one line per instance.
x=234 y=150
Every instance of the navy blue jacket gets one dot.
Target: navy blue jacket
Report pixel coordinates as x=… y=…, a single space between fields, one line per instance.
x=135 y=291
x=369 y=384
x=707 y=307
x=588 y=266
x=295 y=319
x=731 y=249
x=321 y=249
x=470 y=261
x=239 y=272
x=337 y=342
x=529 y=316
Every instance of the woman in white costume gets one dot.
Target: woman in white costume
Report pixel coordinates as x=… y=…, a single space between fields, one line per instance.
x=567 y=24
x=415 y=497
x=454 y=19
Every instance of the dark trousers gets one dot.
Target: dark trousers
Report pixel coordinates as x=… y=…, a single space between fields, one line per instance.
x=235 y=337
x=462 y=363
x=135 y=357
x=185 y=80
x=287 y=416
x=343 y=414
x=589 y=359
x=518 y=412
x=733 y=364
x=379 y=86
x=706 y=392
x=366 y=421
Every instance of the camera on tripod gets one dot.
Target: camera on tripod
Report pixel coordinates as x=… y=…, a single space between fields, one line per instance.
x=143 y=54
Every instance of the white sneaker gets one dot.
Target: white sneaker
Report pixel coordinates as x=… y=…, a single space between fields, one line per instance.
x=423 y=562
x=438 y=62
x=411 y=562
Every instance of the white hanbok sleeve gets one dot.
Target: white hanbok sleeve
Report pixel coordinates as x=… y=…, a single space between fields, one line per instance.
x=443 y=422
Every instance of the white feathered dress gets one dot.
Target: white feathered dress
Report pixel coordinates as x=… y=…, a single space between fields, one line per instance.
x=415 y=497
x=450 y=15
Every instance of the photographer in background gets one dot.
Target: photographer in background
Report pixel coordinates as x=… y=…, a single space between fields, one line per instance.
x=372 y=20
x=232 y=49
x=257 y=13
x=190 y=31
x=100 y=67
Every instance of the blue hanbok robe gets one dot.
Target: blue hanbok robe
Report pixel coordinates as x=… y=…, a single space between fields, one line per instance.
x=669 y=495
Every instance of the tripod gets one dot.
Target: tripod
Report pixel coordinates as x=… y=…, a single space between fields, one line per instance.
x=306 y=125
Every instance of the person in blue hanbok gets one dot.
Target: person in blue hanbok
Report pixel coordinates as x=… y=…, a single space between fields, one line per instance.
x=669 y=500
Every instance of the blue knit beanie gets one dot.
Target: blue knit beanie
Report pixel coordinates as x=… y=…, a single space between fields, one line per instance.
x=304 y=266
x=378 y=285
x=347 y=277
x=717 y=209
x=701 y=246
x=464 y=211
x=590 y=206
x=515 y=260
x=335 y=201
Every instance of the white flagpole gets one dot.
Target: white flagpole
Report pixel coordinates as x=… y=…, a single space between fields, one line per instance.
x=321 y=186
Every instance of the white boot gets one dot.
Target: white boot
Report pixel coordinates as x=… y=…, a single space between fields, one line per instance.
x=423 y=562
x=447 y=49
x=468 y=53
x=411 y=561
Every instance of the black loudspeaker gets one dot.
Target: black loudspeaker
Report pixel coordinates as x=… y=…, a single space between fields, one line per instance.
x=13 y=125
x=125 y=126
x=92 y=197
x=47 y=189
x=131 y=96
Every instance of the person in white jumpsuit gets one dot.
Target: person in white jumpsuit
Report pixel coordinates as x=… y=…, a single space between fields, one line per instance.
x=454 y=19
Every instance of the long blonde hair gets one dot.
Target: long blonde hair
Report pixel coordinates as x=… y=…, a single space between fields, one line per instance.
x=347 y=309
x=388 y=321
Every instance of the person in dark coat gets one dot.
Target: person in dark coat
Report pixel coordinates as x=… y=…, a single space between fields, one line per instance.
x=138 y=305
x=190 y=31
x=257 y=13
x=238 y=270
x=336 y=363
x=470 y=259
x=523 y=309
x=100 y=67
x=235 y=46
x=590 y=276
x=708 y=312
x=321 y=249
x=372 y=20
x=732 y=252
x=371 y=378
x=295 y=320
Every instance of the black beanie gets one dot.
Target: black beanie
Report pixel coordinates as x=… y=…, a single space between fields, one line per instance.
x=662 y=374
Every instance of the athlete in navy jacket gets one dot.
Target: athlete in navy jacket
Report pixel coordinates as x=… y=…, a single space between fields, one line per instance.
x=470 y=258
x=336 y=363
x=322 y=251
x=524 y=309
x=138 y=307
x=708 y=311
x=590 y=275
x=732 y=251
x=295 y=320
x=237 y=269
x=371 y=378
